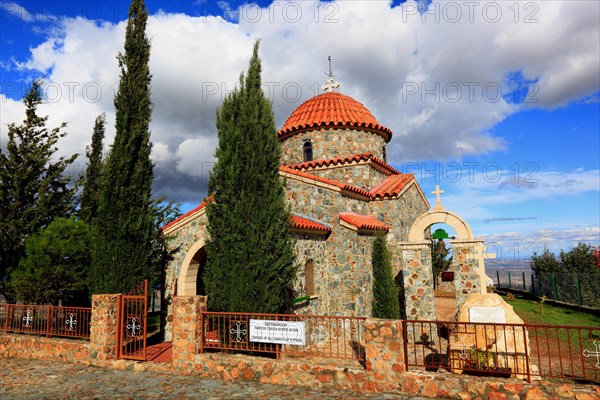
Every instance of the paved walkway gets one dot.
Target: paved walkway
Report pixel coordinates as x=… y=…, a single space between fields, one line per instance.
x=33 y=379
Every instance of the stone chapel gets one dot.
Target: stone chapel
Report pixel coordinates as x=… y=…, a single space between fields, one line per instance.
x=342 y=192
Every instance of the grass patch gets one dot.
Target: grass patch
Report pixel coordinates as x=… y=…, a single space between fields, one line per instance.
x=533 y=312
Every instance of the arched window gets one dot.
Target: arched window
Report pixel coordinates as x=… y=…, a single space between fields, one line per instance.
x=309 y=278
x=384 y=154
x=307 y=151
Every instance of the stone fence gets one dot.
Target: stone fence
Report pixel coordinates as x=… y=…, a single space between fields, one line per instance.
x=383 y=370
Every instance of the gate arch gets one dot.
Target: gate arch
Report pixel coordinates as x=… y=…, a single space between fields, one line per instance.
x=423 y=222
x=186 y=282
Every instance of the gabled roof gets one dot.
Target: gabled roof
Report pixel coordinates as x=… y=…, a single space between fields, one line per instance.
x=301 y=223
x=328 y=182
x=188 y=215
x=392 y=185
x=332 y=109
x=380 y=165
x=362 y=222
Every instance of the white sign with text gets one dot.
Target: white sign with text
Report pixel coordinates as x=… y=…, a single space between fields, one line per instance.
x=487 y=314
x=280 y=332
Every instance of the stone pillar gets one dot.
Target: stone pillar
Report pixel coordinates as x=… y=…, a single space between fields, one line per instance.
x=469 y=270
x=103 y=328
x=384 y=349
x=186 y=330
x=418 y=280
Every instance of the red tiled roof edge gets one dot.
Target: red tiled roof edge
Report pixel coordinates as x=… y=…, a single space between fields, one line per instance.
x=363 y=222
x=343 y=186
x=188 y=214
x=377 y=129
x=345 y=160
x=305 y=224
x=392 y=185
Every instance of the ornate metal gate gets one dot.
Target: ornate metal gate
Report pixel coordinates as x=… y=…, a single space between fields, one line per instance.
x=132 y=321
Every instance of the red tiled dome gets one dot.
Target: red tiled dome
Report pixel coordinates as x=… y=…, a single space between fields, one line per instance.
x=332 y=109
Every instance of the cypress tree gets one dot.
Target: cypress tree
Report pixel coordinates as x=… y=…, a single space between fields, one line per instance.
x=91 y=194
x=33 y=188
x=385 y=293
x=249 y=251
x=125 y=223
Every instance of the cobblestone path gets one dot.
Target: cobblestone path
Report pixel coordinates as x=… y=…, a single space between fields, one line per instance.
x=33 y=379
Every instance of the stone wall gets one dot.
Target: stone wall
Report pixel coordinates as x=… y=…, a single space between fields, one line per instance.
x=42 y=348
x=349 y=278
x=321 y=203
x=418 y=280
x=362 y=175
x=466 y=263
x=187 y=332
x=311 y=248
x=332 y=143
x=384 y=350
x=399 y=214
x=383 y=369
x=103 y=338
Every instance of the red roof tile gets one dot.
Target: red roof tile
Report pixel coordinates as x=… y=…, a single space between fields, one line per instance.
x=364 y=222
x=392 y=185
x=344 y=160
x=332 y=109
x=299 y=222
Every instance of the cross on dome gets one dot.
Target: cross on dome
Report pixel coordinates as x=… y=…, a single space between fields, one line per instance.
x=331 y=84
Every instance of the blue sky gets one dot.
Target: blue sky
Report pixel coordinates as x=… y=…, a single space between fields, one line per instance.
x=496 y=102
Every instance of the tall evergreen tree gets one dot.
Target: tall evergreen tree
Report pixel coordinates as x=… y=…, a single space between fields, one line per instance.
x=249 y=252
x=125 y=223
x=33 y=188
x=385 y=293
x=90 y=198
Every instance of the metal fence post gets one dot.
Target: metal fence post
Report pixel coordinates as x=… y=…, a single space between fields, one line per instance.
x=532 y=285
x=498 y=276
x=509 y=281
x=48 y=327
x=579 y=296
x=405 y=340
x=539 y=284
x=524 y=284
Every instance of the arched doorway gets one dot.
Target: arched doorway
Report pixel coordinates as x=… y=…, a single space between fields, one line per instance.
x=190 y=280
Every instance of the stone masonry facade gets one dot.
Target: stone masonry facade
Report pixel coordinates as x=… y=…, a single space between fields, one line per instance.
x=332 y=143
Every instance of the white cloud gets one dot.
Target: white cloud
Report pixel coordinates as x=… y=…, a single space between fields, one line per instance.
x=195 y=156
x=21 y=12
x=431 y=82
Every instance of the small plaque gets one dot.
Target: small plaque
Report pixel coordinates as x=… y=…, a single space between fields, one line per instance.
x=408 y=255
x=487 y=314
